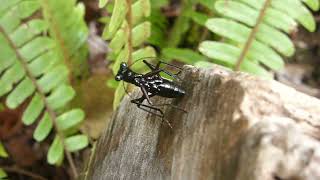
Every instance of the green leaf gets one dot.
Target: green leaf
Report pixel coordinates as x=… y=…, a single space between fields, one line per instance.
x=53 y=78
x=144 y=53
x=37 y=53
x=117 y=18
x=240 y=33
x=43 y=63
x=147 y=52
x=118 y=40
x=33 y=110
x=60 y=96
x=280 y=20
x=27 y=8
x=36 y=47
x=112 y=83
x=203 y=64
x=118 y=95
x=140 y=9
x=254 y=69
x=69 y=32
x=2 y=107
x=20 y=93
x=229 y=54
x=184 y=55
x=208 y=3
x=5 y=5
x=7 y=56
x=197 y=17
x=122 y=57
x=77 y=142
x=70 y=119
x=180 y=27
x=103 y=3
x=293 y=8
x=55 y=153
x=27 y=31
x=43 y=129
x=3 y=152
x=279 y=41
x=230 y=29
x=313 y=4
x=3 y=174
x=240 y=19
x=159 y=3
x=159 y=25
x=241 y=12
x=11 y=76
x=141 y=33
x=220 y=51
x=10 y=21
x=237 y=11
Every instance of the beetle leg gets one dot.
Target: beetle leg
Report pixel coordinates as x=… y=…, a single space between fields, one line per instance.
x=162 y=62
x=173 y=106
x=145 y=94
x=156 y=70
x=141 y=106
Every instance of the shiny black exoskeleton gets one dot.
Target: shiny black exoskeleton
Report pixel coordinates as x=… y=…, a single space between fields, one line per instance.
x=151 y=84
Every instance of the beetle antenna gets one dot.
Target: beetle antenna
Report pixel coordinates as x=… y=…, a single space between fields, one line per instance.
x=125 y=89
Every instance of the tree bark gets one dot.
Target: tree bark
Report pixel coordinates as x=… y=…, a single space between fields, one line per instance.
x=237 y=126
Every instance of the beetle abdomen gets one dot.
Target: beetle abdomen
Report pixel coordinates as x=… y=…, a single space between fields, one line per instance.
x=170 y=90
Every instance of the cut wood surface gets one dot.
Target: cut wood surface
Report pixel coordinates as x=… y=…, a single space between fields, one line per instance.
x=238 y=126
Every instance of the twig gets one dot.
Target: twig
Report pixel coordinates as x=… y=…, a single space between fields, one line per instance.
x=72 y=165
x=129 y=20
x=252 y=35
x=93 y=152
x=23 y=172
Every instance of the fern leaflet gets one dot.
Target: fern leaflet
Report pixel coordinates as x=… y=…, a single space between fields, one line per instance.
x=256 y=32
x=31 y=67
x=128 y=35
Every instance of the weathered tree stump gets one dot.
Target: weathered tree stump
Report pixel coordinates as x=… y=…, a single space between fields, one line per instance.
x=238 y=126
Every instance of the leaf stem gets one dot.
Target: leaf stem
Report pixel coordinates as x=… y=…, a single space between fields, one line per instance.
x=129 y=20
x=93 y=152
x=57 y=34
x=23 y=172
x=180 y=25
x=252 y=35
x=41 y=93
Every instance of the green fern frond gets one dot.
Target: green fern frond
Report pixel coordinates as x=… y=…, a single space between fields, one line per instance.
x=3 y=174
x=3 y=154
x=256 y=32
x=128 y=35
x=103 y=3
x=68 y=30
x=185 y=55
x=159 y=25
x=31 y=68
x=208 y=4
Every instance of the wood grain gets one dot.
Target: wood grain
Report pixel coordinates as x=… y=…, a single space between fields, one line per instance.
x=238 y=126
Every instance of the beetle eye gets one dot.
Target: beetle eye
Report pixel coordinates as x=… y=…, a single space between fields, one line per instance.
x=118 y=78
x=123 y=65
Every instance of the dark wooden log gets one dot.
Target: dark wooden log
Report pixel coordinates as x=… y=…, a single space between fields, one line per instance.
x=238 y=126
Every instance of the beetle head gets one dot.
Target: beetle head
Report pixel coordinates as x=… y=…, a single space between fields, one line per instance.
x=122 y=70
